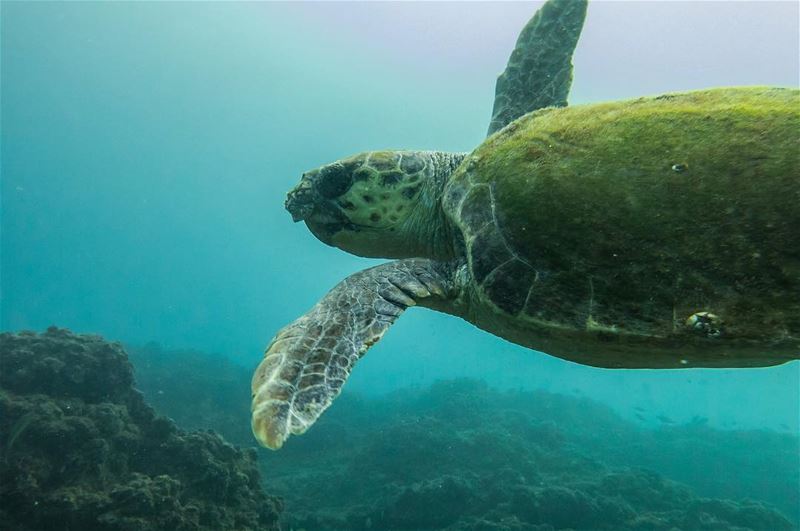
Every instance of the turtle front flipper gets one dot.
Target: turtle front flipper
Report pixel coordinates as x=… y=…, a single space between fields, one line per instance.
x=309 y=360
x=539 y=71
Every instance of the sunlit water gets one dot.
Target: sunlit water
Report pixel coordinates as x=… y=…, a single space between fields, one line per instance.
x=147 y=148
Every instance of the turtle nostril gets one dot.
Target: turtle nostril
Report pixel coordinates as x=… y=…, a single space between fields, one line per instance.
x=300 y=202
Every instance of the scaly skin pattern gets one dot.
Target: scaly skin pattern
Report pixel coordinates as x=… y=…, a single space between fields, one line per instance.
x=539 y=71
x=379 y=203
x=309 y=360
x=657 y=232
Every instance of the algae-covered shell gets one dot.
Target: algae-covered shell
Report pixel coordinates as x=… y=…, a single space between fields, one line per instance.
x=598 y=232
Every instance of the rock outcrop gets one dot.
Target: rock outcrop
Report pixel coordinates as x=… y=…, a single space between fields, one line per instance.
x=81 y=450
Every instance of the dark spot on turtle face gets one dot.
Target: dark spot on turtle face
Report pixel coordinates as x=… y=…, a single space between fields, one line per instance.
x=328 y=219
x=390 y=178
x=347 y=205
x=375 y=217
x=362 y=174
x=333 y=180
x=385 y=197
x=393 y=218
x=410 y=192
x=400 y=208
x=368 y=198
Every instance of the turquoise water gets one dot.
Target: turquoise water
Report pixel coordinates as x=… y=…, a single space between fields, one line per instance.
x=147 y=149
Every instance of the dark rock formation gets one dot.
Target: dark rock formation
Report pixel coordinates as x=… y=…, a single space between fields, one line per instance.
x=197 y=389
x=462 y=456
x=81 y=450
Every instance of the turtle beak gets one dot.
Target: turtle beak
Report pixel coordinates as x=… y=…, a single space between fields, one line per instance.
x=323 y=217
x=300 y=200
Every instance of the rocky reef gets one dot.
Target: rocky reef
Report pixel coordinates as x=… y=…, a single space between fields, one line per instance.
x=463 y=456
x=460 y=456
x=197 y=389
x=80 y=449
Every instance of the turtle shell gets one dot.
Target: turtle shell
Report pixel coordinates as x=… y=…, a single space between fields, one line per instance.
x=661 y=223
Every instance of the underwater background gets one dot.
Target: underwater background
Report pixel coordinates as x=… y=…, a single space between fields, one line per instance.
x=146 y=152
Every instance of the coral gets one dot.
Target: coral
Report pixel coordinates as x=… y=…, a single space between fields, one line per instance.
x=80 y=448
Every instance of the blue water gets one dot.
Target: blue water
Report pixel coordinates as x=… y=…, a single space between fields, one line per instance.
x=147 y=149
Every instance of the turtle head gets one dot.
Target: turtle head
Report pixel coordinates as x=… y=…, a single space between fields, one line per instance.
x=374 y=204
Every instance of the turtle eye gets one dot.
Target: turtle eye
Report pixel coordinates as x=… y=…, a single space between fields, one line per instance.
x=333 y=181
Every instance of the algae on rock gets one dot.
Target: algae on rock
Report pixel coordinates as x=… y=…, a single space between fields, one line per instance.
x=80 y=449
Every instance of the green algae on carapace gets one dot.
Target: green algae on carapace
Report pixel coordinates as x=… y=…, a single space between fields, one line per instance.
x=651 y=233
x=665 y=223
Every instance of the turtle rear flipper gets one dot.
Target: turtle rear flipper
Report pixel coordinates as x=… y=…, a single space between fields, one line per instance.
x=539 y=71
x=307 y=363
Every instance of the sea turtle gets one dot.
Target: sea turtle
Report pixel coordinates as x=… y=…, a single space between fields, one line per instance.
x=660 y=232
